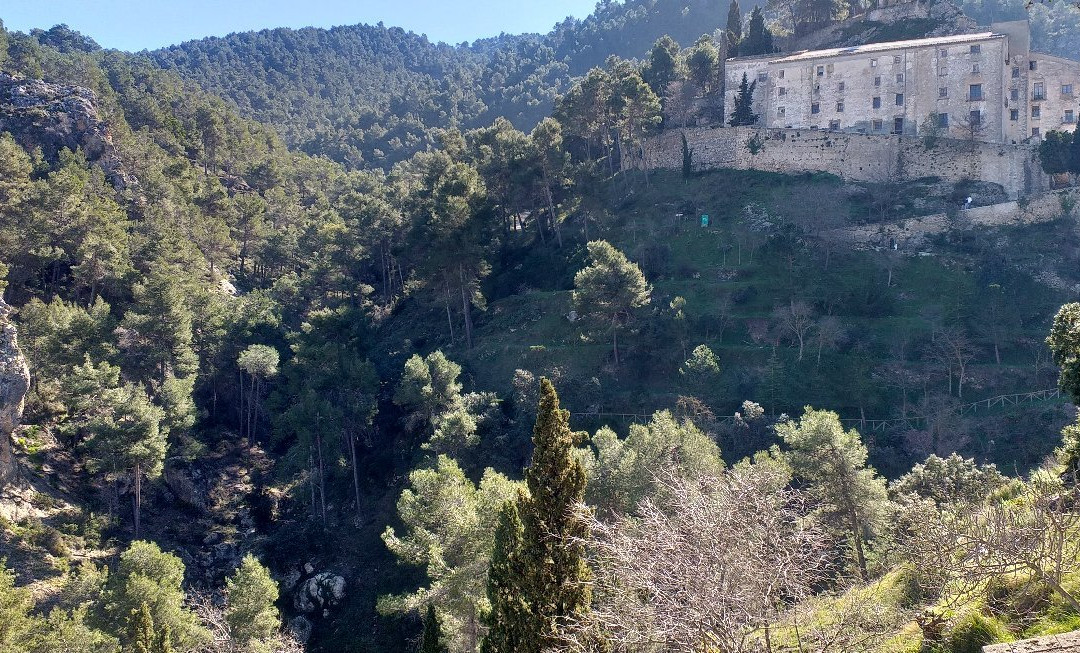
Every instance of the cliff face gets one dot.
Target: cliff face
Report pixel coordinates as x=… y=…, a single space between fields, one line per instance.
x=54 y=117
x=14 y=382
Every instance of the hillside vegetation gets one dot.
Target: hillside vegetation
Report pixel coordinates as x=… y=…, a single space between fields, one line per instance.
x=275 y=397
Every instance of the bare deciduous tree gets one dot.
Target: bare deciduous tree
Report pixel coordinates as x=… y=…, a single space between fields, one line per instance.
x=795 y=321
x=710 y=569
x=1036 y=534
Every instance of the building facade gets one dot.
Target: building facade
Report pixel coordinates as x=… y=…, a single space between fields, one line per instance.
x=987 y=86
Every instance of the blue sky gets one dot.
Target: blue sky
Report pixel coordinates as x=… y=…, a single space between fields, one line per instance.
x=135 y=24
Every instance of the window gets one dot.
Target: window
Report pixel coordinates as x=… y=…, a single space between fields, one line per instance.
x=976 y=49
x=834 y=124
x=1016 y=72
x=839 y=107
x=1066 y=90
x=815 y=108
x=873 y=63
x=1034 y=132
x=943 y=91
x=1039 y=91
x=1014 y=95
x=821 y=71
x=876 y=125
x=1033 y=65
x=899 y=78
x=780 y=74
x=896 y=59
x=780 y=111
x=877 y=103
x=817 y=88
x=1070 y=117
x=1036 y=111
x=781 y=91
x=841 y=87
x=943 y=71
x=943 y=53
x=1014 y=114
x=975 y=92
x=943 y=120
x=899 y=99
x=877 y=81
x=898 y=126
x=974 y=69
x=975 y=120
x=761 y=77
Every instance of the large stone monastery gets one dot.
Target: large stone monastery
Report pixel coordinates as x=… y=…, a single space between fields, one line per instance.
x=987 y=86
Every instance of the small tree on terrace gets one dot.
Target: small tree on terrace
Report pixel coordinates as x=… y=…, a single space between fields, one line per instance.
x=610 y=288
x=744 y=115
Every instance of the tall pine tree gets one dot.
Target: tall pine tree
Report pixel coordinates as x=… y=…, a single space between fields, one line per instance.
x=538 y=573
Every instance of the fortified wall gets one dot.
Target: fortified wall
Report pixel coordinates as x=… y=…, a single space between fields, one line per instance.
x=852 y=156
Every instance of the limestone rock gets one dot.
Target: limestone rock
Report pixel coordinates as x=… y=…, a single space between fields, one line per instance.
x=54 y=117
x=14 y=382
x=319 y=593
x=182 y=481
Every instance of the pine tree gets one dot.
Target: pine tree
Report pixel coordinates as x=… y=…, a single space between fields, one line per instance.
x=431 y=642
x=250 y=612
x=743 y=114
x=142 y=630
x=538 y=573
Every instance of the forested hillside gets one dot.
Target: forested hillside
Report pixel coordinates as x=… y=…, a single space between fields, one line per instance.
x=279 y=400
x=372 y=95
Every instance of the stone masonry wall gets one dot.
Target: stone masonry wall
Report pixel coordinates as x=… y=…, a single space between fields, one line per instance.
x=857 y=157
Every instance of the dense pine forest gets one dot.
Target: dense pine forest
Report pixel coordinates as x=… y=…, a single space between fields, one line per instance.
x=343 y=340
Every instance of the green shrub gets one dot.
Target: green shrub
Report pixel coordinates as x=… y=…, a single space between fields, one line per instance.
x=973 y=631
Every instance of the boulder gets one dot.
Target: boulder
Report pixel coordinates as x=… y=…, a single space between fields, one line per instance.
x=14 y=382
x=300 y=628
x=319 y=593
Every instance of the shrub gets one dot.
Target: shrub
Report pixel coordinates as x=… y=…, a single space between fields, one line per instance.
x=973 y=631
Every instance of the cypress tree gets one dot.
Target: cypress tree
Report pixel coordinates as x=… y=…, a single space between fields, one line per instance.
x=432 y=639
x=743 y=114
x=163 y=643
x=734 y=28
x=538 y=572
x=509 y=616
x=687 y=159
x=759 y=39
x=142 y=630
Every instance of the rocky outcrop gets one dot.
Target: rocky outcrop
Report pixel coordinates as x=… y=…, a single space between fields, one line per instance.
x=316 y=594
x=54 y=117
x=14 y=382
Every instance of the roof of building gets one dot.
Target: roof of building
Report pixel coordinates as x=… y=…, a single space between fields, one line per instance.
x=805 y=55
x=1063 y=643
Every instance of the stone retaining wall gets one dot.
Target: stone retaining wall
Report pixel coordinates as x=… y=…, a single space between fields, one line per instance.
x=857 y=157
x=912 y=232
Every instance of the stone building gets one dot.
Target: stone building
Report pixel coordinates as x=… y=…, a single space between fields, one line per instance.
x=988 y=86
